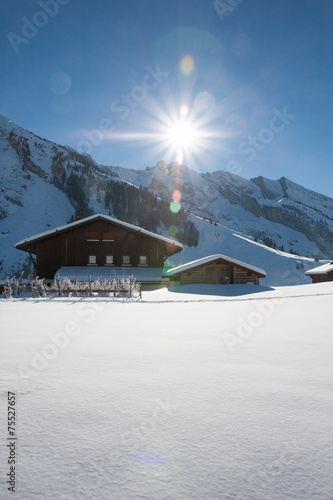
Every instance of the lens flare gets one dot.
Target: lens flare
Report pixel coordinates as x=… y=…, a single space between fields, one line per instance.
x=180 y=157
x=152 y=465
x=183 y=132
x=60 y=83
x=184 y=111
x=177 y=195
x=173 y=230
x=204 y=102
x=187 y=65
x=175 y=207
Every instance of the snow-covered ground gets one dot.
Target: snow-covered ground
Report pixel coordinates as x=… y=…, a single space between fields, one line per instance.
x=202 y=392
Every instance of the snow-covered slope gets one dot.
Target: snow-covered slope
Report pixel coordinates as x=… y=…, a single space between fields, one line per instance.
x=282 y=268
x=30 y=202
x=257 y=206
x=233 y=215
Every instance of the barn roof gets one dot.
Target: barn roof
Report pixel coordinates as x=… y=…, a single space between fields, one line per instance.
x=324 y=269
x=212 y=258
x=29 y=244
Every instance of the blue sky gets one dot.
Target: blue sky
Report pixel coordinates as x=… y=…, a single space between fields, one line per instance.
x=240 y=85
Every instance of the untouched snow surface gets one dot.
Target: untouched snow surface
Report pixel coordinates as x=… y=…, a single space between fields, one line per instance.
x=204 y=392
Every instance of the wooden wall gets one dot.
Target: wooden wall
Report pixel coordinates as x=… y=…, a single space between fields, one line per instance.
x=244 y=276
x=321 y=278
x=193 y=276
x=99 y=238
x=217 y=273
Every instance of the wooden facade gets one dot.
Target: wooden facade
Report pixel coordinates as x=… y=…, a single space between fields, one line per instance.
x=98 y=241
x=216 y=270
x=322 y=278
x=321 y=274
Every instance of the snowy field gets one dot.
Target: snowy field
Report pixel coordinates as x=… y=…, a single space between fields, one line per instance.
x=226 y=394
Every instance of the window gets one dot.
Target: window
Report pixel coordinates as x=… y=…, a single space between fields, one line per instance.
x=109 y=260
x=126 y=260
x=108 y=236
x=92 y=260
x=92 y=236
x=143 y=260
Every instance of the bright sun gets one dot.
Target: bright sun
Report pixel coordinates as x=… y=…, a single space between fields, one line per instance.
x=181 y=135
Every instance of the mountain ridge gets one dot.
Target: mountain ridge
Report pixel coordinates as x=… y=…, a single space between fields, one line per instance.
x=44 y=185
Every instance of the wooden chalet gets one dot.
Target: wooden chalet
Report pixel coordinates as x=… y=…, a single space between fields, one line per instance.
x=101 y=246
x=322 y=273
x=216 y=269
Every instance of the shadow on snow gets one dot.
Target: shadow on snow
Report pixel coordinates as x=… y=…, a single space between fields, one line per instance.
x=221 y=290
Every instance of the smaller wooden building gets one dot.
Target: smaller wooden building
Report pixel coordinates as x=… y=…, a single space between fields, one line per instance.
x=322 y=273
x=216 y=269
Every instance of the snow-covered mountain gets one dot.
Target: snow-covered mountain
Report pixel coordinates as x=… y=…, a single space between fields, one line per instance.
x=43 y=185
x=251 y=206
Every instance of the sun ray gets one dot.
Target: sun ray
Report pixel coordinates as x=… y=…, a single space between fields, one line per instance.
x=187 y=133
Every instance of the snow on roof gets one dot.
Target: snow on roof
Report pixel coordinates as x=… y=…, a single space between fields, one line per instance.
x=326 y=268
x=210 y=258
x=141 y=274
x=105 y=217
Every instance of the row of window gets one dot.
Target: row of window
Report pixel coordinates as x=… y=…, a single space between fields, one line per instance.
x=94 y=236
x=126 y=261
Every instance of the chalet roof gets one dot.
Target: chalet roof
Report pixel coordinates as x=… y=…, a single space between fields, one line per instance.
x=324 y=269
x=141 y=274
x=212 y=258
x=28 y=242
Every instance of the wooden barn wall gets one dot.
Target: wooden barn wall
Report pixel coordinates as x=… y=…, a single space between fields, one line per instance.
x=320 y=278
x=217 y=273
x=193 y=276
x=49 y=258
x=243 y=276
x=72 y=248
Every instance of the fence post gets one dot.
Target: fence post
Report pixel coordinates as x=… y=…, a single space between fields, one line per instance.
x=90 y=287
